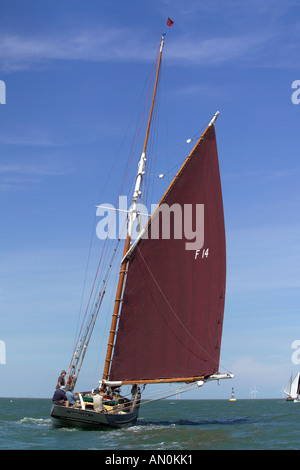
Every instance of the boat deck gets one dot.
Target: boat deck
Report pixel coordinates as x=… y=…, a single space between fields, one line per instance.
x=85 y=413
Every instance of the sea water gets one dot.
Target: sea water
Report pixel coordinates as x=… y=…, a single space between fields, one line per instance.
x=173 y=425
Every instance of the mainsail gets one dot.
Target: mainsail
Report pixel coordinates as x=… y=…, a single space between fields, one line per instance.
x=292 y=388
x=171 y=318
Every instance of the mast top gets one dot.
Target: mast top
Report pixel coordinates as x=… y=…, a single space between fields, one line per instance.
x=162 y=42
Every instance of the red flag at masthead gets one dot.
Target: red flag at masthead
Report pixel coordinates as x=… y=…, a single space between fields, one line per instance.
x=170 y=22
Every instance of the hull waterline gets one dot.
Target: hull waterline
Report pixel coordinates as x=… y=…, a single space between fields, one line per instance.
x=73 y=417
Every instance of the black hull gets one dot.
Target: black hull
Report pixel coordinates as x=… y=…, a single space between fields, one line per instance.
x=89 y=419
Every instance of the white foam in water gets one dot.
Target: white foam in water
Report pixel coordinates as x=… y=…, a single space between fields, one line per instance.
x=37 y=421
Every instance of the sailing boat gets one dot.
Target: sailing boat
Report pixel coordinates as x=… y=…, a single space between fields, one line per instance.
x=292 y=388
x=167 y=319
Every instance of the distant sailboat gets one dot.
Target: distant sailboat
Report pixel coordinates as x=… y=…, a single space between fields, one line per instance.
x=167 y=320
x=292 y=388
x=232 y=396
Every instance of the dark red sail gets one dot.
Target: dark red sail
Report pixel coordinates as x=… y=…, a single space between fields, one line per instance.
x=172 y=312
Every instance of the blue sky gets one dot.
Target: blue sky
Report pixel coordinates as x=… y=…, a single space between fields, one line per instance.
x=74 y=72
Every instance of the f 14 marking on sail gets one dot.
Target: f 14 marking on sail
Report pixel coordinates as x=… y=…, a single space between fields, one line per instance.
x=204 y=254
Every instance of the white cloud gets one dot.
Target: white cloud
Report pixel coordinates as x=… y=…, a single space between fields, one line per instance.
x=22 y=176
x=216 y=50
x=266 y=376
x=19 y=52
x=263 y=258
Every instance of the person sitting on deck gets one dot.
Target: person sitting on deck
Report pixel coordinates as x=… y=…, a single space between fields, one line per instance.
x=59 y=397
x=98 y=402
x=71 y=397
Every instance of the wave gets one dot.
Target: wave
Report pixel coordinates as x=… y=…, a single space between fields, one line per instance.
x=35 y=421
x=187 y=422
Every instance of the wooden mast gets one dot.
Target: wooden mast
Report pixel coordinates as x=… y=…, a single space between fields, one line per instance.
x=132 y=215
